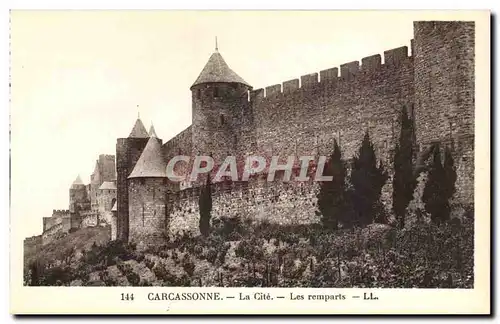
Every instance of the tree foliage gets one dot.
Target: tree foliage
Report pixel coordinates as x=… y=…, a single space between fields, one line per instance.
x=433 y=197
x=440 y=186
x=367 y=180
x=404 y=180
x=205 y=206
x=331 y=197
x=450 y=173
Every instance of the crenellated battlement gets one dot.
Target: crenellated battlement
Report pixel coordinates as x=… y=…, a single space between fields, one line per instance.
x=369 y=68
x=106 y=157
x=56 y=212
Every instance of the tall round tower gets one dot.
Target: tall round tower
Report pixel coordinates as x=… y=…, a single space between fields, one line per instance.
x=219 y=101
x=147 y=192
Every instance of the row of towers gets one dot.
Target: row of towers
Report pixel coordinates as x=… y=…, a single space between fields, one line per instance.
x=141 y=170
x=219 y=98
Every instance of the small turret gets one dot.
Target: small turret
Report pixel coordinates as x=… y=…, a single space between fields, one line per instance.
x=128 y=152
x=148 y=195
x=78 y=199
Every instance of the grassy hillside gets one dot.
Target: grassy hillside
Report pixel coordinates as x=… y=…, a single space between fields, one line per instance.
x=244 y=254
x=71 y=243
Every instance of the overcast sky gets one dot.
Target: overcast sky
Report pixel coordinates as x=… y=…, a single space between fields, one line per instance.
x=77 y=78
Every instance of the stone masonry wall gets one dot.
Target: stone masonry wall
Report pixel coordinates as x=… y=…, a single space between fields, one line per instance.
x=56 y=218
x=78 y=199
x=284 y=203
x=304 y=117
x=106 y=199
x=107 y=167
x=89 y=219
x=49 y=234
x=128 y=151
x=147 y=210
x=181 y=144
x=444 y=93
x=217 y=110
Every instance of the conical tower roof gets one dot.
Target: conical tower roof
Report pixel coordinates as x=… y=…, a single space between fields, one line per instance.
x=151 y=163
x=152 y=131
x=108 y=185
x=217 y=70
x=77 y=183
x=139 y=131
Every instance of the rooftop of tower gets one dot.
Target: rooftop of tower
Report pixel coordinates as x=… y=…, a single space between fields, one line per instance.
x=139 y=131
x=77 y=183
x=108 y=185
x=152 y=131
x=151 y=163
x=217 y=70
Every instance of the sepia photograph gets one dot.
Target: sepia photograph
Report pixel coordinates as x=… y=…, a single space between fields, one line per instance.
x=247 y=149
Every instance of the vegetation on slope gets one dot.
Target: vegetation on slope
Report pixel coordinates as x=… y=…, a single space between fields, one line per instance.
x=242 y=254
x=435 y=250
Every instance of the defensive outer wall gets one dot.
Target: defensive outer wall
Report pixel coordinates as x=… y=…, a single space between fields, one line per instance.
x=434 y=78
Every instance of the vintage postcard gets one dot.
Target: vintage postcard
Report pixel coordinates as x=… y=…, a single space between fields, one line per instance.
x=250 y=162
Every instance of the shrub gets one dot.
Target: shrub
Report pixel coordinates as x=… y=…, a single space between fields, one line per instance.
x=107 y=279
x=250 y=250
x=188 y=265
x=149 y=263
x=437 y=190
x=133 y=278
x=211 y=255
x=223 y=252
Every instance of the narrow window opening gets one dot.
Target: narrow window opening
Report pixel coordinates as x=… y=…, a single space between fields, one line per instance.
x=222 y=119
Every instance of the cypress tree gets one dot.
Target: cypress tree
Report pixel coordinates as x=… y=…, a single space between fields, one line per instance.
x=367 y=180
x=404 y=181
x=331 y=197
x=205 y=206
x=450 y=173
x=435 y=191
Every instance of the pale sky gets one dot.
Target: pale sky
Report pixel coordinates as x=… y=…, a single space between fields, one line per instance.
x=78 y=76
